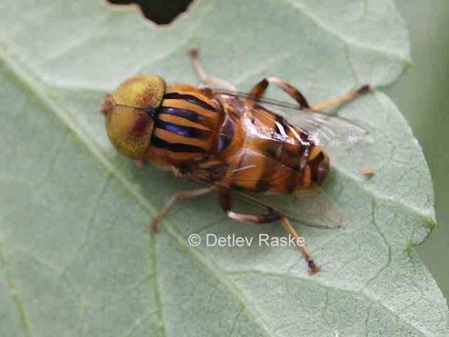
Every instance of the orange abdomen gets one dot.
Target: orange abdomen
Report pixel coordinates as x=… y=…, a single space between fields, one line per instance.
x=227 y=143
x=273 y=155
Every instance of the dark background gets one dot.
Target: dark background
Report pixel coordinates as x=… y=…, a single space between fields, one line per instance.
x=159 y=11
x=422 y=96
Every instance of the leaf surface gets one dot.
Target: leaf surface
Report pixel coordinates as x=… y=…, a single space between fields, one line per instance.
x=75 y=259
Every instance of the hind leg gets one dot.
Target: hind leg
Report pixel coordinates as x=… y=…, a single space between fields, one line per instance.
x=272 y=215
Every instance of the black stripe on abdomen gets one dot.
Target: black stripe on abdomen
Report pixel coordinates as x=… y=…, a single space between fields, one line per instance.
x=226 y=135
x=319 y=167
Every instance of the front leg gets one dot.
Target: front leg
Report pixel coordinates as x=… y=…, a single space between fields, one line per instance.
x=204 y=77
x=273 y=214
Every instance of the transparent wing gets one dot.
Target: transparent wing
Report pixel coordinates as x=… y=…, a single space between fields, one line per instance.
x=313 y=208
x=325 y=129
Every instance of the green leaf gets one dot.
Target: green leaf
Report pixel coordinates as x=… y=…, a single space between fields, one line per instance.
x=75 y=259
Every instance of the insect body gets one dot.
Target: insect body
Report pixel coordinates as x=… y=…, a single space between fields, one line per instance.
x=225 y=139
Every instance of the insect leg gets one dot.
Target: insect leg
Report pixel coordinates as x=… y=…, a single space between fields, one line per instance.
x=204 y=77
x=313 y=267
x=154 y=224
x=272 y=215
x=224 y=197
x=259 y=89
x=336 y=101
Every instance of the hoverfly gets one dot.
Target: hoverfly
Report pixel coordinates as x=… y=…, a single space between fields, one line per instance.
x=227 y=140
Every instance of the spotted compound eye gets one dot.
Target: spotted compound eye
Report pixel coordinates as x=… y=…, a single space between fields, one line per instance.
x=128 y=124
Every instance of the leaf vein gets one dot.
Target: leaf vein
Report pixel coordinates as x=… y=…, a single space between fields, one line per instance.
x=15 y=297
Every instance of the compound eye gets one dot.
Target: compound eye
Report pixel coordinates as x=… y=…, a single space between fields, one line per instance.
x=142 y=91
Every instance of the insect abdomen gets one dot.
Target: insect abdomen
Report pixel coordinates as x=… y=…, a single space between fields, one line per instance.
x=274 y=164
x=313 y=169
x=298 y=166
x=258 y=172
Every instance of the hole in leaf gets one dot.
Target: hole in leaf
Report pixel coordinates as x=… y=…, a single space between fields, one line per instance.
x=161 y=12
